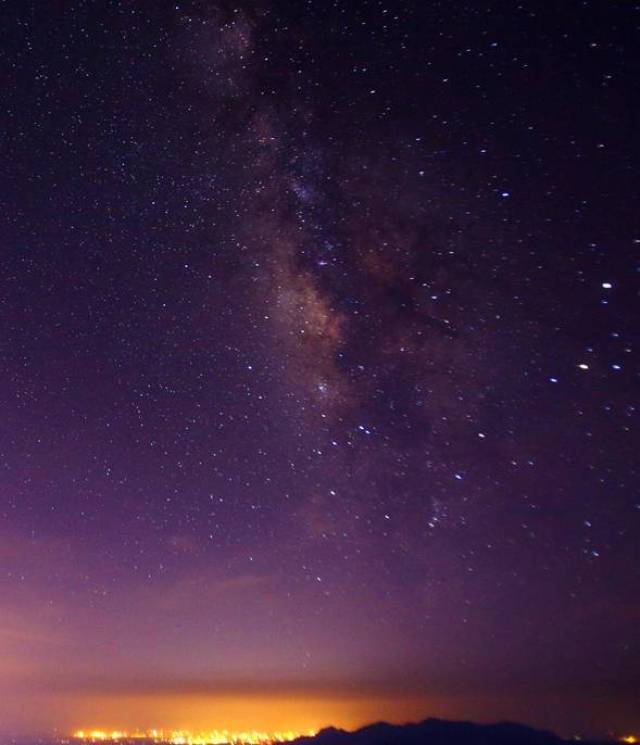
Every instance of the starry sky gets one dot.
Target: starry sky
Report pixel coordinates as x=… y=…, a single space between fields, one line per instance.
x=319 y=363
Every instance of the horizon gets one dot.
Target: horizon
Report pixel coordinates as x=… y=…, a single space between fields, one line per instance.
x=175 y=736
x=110 y=730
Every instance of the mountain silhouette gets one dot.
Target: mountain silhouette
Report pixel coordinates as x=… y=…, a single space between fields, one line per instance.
x=435 y=732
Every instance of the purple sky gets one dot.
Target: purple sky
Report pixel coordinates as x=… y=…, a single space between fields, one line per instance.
x=319 y=380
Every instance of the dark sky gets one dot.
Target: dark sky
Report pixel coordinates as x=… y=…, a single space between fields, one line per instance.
x=318 y=362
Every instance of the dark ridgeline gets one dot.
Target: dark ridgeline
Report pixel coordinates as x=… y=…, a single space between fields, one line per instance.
x=436 y=732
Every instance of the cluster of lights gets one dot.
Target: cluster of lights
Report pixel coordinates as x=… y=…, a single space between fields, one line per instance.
x=185 y=737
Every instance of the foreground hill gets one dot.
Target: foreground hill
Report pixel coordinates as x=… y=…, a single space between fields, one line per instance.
x=435 y=732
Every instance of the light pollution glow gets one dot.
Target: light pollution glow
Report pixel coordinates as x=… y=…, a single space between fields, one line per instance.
x=212 y=737
x=61 y=711
x=185 y=737
x=60 y=707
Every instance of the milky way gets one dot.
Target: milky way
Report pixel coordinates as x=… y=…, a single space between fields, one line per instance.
x=318 y=361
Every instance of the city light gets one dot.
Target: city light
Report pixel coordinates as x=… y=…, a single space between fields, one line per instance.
x=186 y=737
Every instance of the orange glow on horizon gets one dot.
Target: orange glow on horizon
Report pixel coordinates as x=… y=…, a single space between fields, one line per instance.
x=226 y=714
x=185 y=737
x=108 y=712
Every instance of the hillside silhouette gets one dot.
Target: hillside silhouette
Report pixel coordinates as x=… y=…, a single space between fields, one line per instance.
x=436 y=732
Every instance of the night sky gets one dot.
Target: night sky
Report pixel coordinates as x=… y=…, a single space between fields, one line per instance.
x=318 y=351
